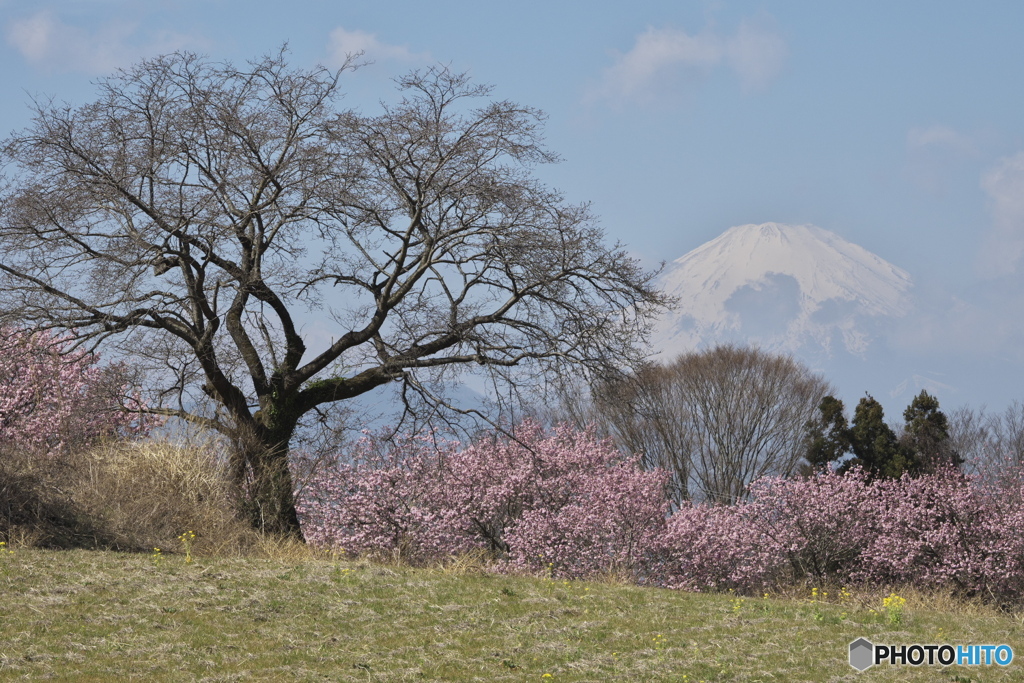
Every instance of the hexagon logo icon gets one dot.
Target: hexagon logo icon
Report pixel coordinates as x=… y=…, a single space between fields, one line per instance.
x=862 y=654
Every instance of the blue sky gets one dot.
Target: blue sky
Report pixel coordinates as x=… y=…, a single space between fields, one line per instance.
x=897 y=125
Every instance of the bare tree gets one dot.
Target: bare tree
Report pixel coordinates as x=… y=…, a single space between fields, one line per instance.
x=643 y=412
x=1007 y=434
x=716 y=419
x=196 y=213
x=991 y=444
x=970 y=433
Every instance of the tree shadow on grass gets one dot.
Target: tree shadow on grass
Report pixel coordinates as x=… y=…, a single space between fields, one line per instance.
x=35 y=510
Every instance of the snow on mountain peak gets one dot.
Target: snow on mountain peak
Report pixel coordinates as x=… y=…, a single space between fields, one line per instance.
x=782 y=287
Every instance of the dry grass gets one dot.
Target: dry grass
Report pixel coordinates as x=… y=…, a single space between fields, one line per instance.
x=127 y=496
x=101 y=616
x=865 y=598
x=147 y=494
x=37 y=508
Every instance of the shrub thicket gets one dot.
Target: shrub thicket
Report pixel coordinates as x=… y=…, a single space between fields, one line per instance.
x=937 y=530
x=570 y=505
x=565 y=502
x=146 y=494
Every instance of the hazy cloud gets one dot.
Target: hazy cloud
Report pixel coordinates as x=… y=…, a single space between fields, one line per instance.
x=941 y=137
x=1004 y=245
x=342 y=43
x=934 y=154
x=45 y=41
x=755 y=54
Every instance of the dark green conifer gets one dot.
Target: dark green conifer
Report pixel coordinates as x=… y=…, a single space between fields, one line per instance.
x=828 y=436
x=875 y=445
x=926 y=434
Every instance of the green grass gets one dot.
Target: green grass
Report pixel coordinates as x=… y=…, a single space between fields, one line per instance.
x=102 y=616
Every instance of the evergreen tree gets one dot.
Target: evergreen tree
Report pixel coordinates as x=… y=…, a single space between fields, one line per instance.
x=875 y=445
x=828 y=436
x=926 y=434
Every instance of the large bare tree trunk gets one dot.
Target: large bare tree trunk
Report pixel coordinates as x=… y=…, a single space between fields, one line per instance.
x=271 y=498
x=262 y=474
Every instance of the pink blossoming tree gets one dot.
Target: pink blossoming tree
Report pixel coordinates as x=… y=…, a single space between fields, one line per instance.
x=53 y=398
x=564 y=501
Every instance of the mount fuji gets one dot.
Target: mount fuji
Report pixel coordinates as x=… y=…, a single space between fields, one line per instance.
x=792 y=288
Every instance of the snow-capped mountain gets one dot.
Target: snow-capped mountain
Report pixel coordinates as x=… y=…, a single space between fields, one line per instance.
x=782 y=287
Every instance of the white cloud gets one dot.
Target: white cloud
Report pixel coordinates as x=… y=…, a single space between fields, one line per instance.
x=343 y=43
x=33 y=36
x=940 y=137
x=755 y=54
x=935 y=153
x=657 y=51
x=45 y=41
x=1004 y=245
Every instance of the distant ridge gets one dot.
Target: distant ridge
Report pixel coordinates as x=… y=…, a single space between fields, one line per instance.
x=783 y=287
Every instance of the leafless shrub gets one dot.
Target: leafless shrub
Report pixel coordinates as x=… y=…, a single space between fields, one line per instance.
x=717 y=419
x=991 y=444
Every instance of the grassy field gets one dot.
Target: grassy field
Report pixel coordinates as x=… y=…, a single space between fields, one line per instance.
x=101 y=616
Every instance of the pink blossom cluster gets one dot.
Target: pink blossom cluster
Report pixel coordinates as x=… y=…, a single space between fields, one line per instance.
x=564 y=502
x=788 y=529
x=568 y=504
x=53 y=398
x=942 y=529
x=949 y=530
